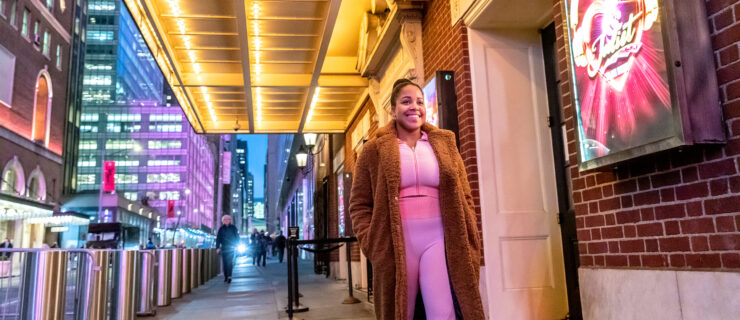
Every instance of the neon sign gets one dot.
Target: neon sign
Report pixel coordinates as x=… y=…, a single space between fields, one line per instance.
x=605 y=42
x=620 y=75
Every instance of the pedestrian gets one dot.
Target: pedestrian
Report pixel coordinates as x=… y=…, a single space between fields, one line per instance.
x=410 y=237
x=227 y=240
x=280 y=244
x=6 y=244
x=150 y=244
x=262 y=248
x=253 y=245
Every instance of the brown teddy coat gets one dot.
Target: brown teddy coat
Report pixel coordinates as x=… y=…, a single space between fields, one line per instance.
x=376 y=221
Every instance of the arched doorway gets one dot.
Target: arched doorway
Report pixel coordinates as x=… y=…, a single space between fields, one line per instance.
x=42 y=108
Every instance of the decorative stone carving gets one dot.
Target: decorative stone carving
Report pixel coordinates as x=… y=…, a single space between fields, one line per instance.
x=411 y=43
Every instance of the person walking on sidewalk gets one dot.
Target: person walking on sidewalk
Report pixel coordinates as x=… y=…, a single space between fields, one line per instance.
x=280 y=245
x=227 y=240
x=261 y=248
x=253 y=245
x=413 y=239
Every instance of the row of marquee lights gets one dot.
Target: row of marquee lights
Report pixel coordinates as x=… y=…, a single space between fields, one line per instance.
x=256 y=42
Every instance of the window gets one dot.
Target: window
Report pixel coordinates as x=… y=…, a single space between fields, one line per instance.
x=86 y=163
x=156 y=163
x=24 y=26
x=133 y=196
x=127 y=163
x=77 y=25
x=165 y=144
x=102 y=5
x=162 y=177
x=122 y=127
x=47 y=43
x=129 y=117
x=50 y=5
x=166 y=128
x=36 y=31
x=59 y=57
x=89 y=117
x=120 y=144
x=165 y=117
x=88 y=128
x=7 y=71
x=88 y=145
x=12 y=12
x=126 y=178
x=100 y=35
x=98 y=66
x=169 y=195
x=86 y=179
x=97 y=80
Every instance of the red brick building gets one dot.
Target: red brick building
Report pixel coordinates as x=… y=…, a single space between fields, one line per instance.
x=34 y=55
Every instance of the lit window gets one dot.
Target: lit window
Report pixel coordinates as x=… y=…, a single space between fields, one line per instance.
x=24 y=26
x=47 y=43
x=165 y=144
x=162 y=177
x=11 y=12
x=88 y=145
x=153 y=163
x=126 y=178
x=50 y=5
x=85 y=178
x=133 y=196
x=97 y=80
x=88 y=128
x=89 y=117
x=59 y=56
x=86 y=163
x=120 y=144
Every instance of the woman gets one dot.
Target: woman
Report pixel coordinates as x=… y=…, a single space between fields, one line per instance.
x=413 y=214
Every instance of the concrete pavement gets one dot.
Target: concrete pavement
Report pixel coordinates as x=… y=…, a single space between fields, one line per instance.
x=261 y=293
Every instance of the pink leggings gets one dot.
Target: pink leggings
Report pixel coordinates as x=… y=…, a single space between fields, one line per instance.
x=426 y=266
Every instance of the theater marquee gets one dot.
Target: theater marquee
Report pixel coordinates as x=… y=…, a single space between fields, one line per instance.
x=640 y=85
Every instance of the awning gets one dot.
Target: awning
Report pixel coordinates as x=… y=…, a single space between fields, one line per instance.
x=253 y=66
x=14 y=208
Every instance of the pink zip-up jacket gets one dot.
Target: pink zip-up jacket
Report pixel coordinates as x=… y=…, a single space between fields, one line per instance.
x=419 y=194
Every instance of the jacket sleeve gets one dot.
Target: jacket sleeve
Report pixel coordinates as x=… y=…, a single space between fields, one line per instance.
x=470 y=218
x=361 y=199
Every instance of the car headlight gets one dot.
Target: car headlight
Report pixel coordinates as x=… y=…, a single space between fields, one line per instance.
x=241 y=248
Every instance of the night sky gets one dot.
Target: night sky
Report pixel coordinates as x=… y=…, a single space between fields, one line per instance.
x=257 y=148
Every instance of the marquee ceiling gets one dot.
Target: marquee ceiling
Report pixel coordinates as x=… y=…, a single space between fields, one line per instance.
x=258 y=66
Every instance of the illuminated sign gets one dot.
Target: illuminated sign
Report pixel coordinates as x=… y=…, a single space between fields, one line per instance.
x=637 y=89
x=621 y=81
x=109 y=174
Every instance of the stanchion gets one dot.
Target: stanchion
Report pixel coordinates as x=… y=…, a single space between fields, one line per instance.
x=185 y=271
x=164 y=277
x=146 y=280
x=177 y=266
x=123 y=305
x=351 y=299
x=44 y=272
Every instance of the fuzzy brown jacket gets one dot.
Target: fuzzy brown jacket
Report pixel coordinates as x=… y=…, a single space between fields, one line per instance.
x=376 y=221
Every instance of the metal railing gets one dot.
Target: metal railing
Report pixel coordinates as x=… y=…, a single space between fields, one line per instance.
x=55 y=284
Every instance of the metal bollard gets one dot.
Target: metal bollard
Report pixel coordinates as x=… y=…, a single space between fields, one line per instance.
x=177 y=266
x=94 y=304
x=203 y=266
x=123 y=305
x=146 y=281
x=164 y=277
x=185 y=271
x=44 y=282
x=194 y=267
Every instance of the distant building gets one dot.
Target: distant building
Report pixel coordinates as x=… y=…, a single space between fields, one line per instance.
x=239 y=167
x=131 y=115
x=278 y=154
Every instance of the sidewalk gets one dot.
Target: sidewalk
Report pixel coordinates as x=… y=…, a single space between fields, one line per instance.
x=261 y=293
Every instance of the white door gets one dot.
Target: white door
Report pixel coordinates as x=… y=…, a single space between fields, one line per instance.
x=525 y=276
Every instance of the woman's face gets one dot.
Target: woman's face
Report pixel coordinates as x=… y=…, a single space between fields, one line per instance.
x=410 y=112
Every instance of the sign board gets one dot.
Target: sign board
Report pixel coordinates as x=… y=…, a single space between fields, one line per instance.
x=293 y=232
x=109 y=176
x=170 y=208
x=637 y=90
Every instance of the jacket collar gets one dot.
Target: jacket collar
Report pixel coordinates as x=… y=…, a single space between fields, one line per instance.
x=389 y=131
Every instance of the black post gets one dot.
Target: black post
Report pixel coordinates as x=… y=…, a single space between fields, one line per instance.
x=351 y=299
x=290 y=278
x=295 y=277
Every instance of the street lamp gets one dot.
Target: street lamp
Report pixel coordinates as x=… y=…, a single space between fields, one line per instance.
x=301 y=157
x=310 y=140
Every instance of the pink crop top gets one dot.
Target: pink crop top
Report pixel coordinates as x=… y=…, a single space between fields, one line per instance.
x=419 y=176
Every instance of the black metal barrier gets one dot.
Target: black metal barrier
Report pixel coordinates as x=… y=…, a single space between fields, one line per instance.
x=294 y=305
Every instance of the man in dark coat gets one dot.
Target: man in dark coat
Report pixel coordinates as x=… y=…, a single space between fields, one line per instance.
x=6 y=245
x=280 y=244
x=261 y=248
x=227 y=240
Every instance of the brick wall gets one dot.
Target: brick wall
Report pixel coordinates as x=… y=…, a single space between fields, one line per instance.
x=446 y=48
x=678 y=209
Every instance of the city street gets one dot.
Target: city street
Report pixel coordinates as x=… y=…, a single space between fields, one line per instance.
x=261 y=293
